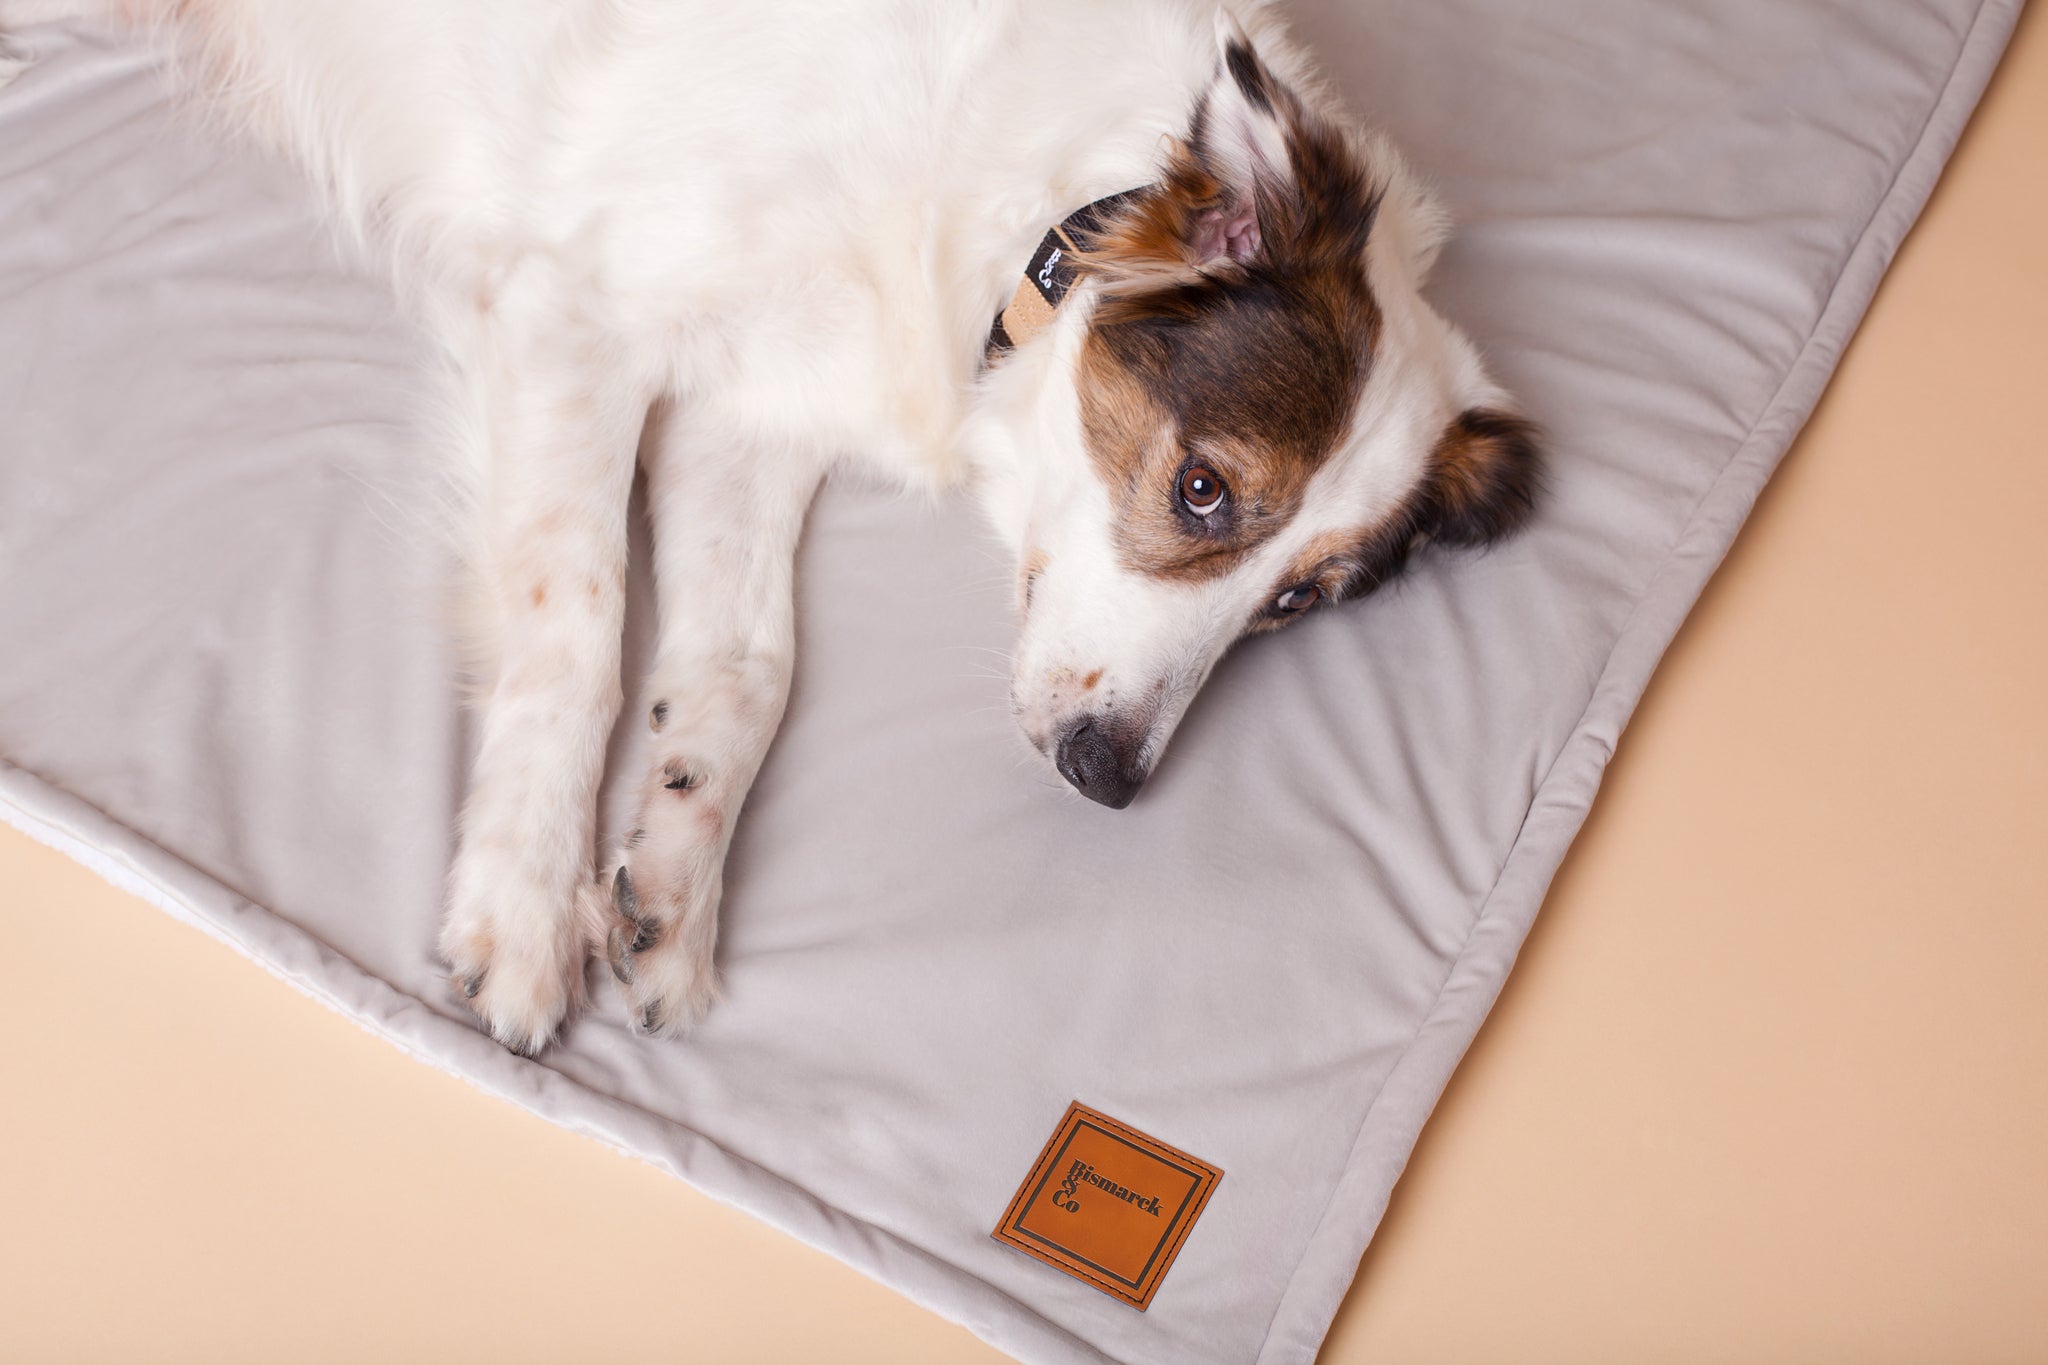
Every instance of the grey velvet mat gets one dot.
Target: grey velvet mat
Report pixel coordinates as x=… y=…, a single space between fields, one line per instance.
x=224 y=683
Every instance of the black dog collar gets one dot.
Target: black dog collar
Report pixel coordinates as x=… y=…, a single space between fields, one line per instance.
x=1048 y=276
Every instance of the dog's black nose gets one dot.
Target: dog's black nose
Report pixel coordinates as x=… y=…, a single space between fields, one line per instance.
x=1089 y=759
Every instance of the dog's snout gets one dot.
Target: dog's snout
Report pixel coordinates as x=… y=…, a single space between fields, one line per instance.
x=1099 y=768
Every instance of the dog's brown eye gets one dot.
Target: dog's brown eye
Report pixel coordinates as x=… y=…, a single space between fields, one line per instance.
x=1298 y=598
x=1201 y=492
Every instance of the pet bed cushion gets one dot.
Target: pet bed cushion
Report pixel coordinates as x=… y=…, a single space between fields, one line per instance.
x=225 y=683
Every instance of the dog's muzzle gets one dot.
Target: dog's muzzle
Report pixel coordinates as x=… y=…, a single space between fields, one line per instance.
x=1101 y=759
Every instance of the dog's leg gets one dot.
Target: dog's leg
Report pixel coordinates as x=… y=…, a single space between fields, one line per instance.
x=562 y=420
x=727 y=516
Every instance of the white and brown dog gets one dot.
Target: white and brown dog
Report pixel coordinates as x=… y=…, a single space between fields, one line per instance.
x=748 y=240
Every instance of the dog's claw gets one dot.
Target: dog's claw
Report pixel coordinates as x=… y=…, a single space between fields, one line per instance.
x=471 y=984
x=620 y=955
x=627 y=902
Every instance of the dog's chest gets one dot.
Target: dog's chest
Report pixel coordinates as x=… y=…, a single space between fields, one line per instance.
x=836 y=348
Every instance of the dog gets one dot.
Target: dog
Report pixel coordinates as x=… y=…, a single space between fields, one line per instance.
x=1123 y=266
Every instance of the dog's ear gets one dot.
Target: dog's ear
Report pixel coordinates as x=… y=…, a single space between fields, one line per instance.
x=1244 y=187
x=1244 y=135
x=1483 y=476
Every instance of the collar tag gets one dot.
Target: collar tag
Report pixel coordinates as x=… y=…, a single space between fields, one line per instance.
x=1108 y=1205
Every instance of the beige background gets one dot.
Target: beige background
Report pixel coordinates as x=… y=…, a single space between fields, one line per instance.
x=1770 y=1083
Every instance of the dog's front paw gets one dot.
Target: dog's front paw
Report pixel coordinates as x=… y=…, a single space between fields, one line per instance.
x=514 y=952
x=664 y=902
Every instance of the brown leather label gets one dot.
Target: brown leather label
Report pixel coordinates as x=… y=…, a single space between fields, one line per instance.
x=1108 y=1205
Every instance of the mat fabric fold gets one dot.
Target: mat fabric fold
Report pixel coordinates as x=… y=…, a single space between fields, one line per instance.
x=224 y=681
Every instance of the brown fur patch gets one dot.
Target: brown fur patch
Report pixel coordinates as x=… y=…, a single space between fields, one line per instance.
x=1331 y=561
x=1483 y=477
x=1480 y=485
x=1346 y=564
x=1252 y=368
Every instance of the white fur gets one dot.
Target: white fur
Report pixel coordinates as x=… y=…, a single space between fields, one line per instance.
x=783 y=228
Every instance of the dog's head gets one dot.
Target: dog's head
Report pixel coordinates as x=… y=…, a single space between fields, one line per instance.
x=1244 y=412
